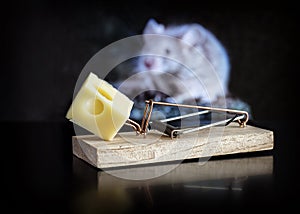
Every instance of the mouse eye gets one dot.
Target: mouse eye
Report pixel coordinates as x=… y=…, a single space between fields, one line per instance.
x=167 y=51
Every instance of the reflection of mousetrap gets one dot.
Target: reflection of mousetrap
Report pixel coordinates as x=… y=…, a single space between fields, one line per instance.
x=190 y=172
x=165 y=142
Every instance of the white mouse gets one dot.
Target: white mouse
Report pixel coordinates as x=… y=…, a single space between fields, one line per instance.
x=201 y=66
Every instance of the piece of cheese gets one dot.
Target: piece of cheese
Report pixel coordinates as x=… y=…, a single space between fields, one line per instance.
x=100 y=108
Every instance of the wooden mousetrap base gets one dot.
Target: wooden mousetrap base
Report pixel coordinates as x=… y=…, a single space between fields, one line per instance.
x=129 y=149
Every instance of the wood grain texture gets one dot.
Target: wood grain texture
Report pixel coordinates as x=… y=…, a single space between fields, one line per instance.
x=128 y=149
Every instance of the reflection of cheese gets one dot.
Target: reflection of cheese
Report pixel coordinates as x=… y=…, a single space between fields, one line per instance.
x=100 y=108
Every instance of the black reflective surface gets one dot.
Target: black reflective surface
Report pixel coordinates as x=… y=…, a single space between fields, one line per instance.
x=42 y=176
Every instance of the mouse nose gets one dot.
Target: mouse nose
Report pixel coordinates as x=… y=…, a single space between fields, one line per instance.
x=149 y=62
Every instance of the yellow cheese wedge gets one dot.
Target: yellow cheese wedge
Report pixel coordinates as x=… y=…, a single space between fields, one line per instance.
x=100 y=108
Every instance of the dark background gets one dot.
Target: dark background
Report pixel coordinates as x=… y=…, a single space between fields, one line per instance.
x=47 y=43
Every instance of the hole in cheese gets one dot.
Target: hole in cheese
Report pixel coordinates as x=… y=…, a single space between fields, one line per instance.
x=95 y=106
x=105 y=93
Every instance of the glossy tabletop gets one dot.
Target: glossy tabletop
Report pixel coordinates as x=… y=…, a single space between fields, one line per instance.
x=43 y=176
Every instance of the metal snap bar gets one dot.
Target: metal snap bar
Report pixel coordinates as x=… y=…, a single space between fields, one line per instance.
x=241 y=117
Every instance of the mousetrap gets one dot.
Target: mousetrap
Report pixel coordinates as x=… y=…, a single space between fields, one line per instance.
x=156 y=141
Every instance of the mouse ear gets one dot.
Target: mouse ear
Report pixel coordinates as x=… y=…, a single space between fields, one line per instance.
x=152 y=27
x=194 y=36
